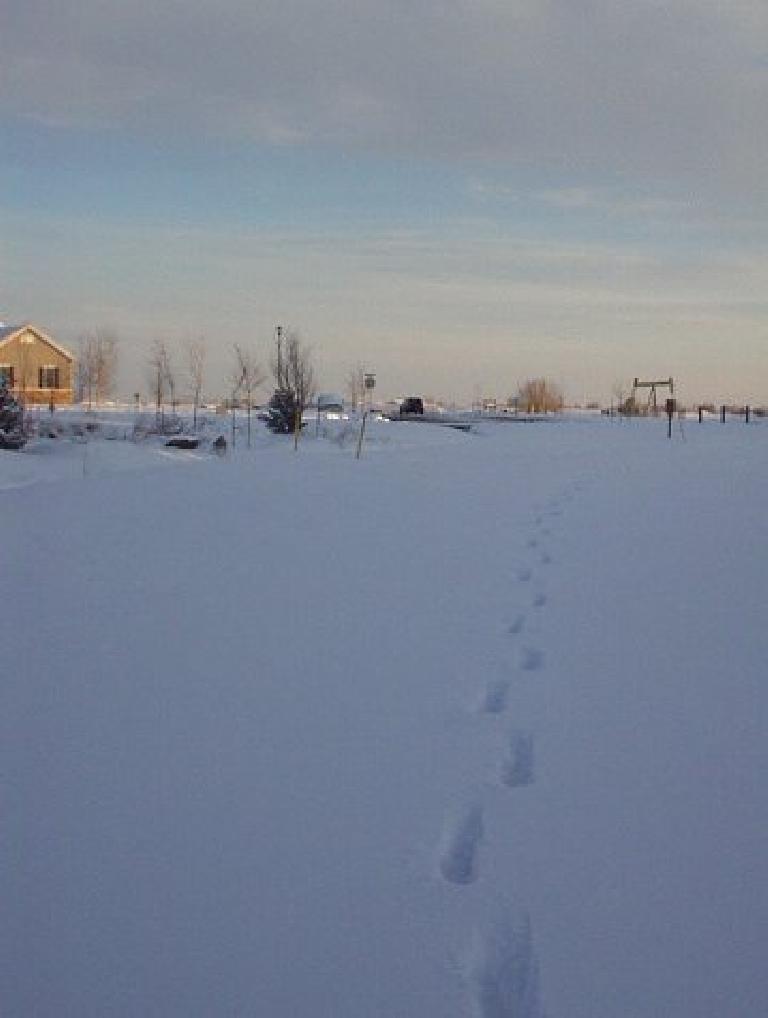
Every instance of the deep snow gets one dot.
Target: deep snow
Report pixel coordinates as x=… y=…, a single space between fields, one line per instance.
x=472 y=726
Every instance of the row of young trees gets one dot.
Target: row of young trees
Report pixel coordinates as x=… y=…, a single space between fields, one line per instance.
x=291 y=367
x=173 y=371
x=97 y=363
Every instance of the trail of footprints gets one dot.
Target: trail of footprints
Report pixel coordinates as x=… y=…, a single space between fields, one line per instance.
x=497 y=984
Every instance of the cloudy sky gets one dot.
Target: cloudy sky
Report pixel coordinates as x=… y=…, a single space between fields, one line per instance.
x=457 y=193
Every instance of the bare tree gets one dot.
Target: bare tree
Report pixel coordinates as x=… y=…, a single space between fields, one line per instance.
x=540 y=395
x=300 y=370
x=196 y=352
x=618 y=395
x=97 y=366
x=170 y=378
x=161 y=377
x=106 y=364
x=356 y=385
x=295 y=374
x=86 y=371
x=247 y=377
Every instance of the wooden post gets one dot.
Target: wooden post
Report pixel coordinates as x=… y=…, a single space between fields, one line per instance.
x=296 y=428
x=746 y=415
x=701 y=414
x=722 y=414
x=671 y=407
x=362 y=433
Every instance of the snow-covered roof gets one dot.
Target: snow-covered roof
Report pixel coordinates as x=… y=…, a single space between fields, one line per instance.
x=9 y=332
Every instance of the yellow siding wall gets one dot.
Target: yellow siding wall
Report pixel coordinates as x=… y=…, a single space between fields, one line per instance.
x=27 y=353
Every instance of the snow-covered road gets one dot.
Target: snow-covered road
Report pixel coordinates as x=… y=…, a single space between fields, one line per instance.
x=473 y=726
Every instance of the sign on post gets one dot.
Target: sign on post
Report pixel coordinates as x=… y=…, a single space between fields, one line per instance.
x=671 y=407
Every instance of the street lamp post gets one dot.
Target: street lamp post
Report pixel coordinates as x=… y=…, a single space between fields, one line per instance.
x=370 y=384
x=279 y=336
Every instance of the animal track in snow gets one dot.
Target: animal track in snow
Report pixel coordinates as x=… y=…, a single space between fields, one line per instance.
x=495 y=697
x=539 y=600
x=524 y=574
x=458 y=849
x=545 y=558
x=502 y=973
x=517 y=766
x=532 y=542
x=531 y=659
x=517 y=625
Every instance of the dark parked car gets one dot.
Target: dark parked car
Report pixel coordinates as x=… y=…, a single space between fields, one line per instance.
x=412 y=405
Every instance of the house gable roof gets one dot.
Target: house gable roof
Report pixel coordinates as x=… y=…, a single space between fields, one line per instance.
x=9 y=332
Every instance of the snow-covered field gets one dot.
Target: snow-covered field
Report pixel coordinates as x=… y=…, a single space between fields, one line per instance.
x=473 y=726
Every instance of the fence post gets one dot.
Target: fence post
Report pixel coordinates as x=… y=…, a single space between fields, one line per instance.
x=722 y=414
x=746 y=415
x=701 y=414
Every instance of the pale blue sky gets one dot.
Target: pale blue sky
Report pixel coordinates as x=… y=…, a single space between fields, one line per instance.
x=459 y=195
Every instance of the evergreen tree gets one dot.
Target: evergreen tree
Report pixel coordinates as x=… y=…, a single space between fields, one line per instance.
x=11 y=419
x=282 y=411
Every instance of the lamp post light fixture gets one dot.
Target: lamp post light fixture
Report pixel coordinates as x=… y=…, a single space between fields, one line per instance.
x=369 y=382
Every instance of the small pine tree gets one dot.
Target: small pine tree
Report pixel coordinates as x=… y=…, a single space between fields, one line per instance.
x=11 y=419
x=282 y=411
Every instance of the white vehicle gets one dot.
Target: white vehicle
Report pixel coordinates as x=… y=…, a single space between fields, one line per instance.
x=331 y=406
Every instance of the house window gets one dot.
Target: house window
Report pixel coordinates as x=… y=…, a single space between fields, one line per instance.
x=6 y=374
x=48 y=377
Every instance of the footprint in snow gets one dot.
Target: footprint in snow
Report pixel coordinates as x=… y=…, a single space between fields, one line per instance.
x=539 y=600
x=545 y=558
x=502 y=972
x=524 y=574
x=459 y=845
x=517 y=766
x=531 y=659
x=532 y=542
x=495 y=697
x=517 y=625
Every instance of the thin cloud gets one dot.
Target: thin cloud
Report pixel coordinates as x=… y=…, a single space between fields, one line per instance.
x=677 y=90
x=408 y=301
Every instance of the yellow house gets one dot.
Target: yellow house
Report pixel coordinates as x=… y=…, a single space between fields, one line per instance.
x=37 y=369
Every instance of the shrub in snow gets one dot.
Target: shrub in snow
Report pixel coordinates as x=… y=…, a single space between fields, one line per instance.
x=11 y=420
